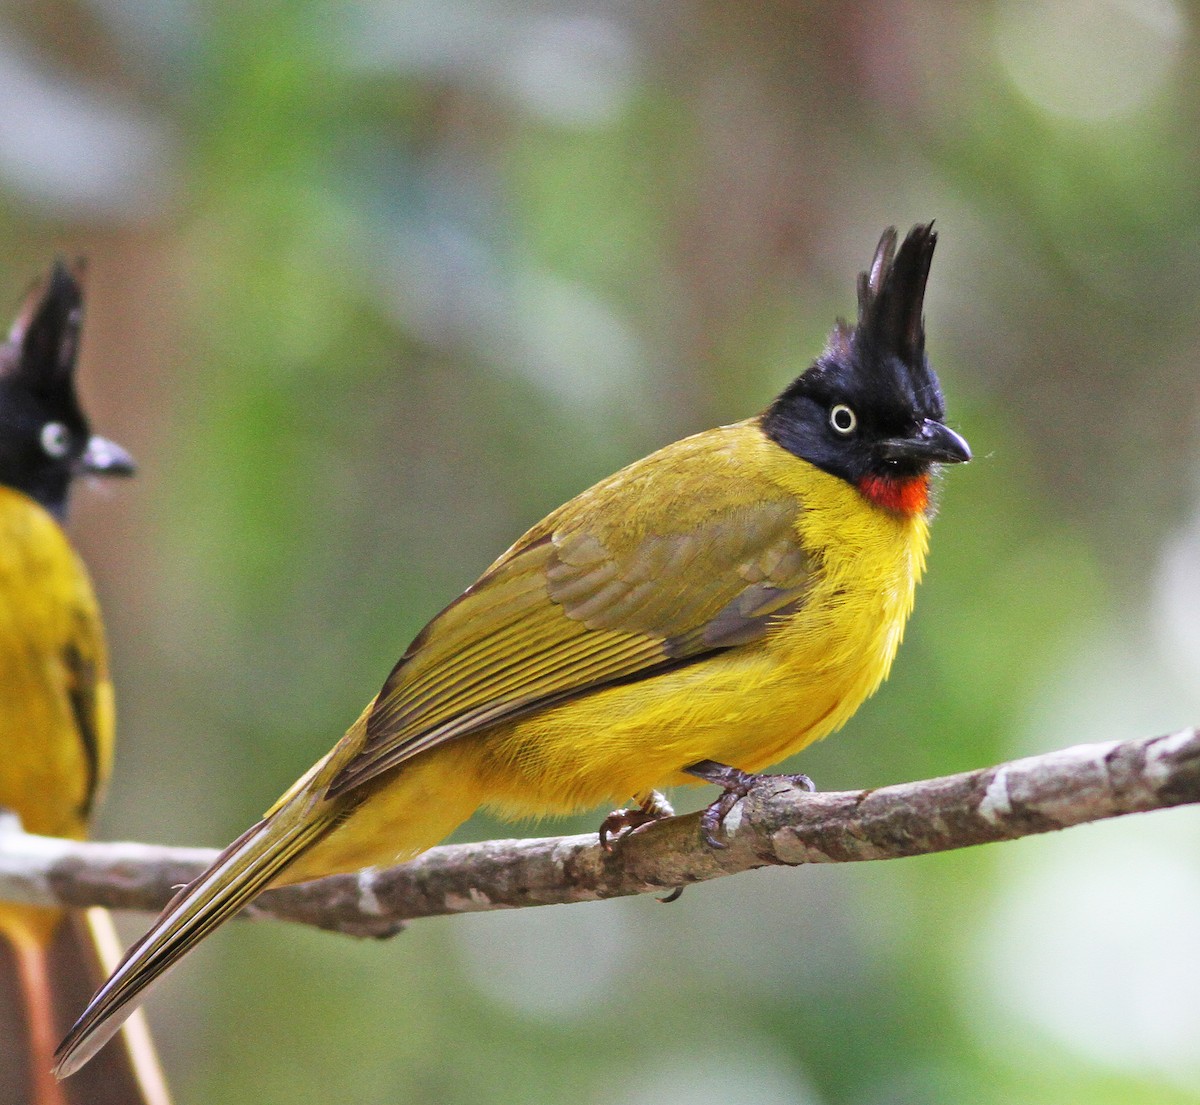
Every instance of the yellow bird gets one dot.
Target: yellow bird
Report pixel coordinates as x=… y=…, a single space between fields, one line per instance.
x=56 y=705
x=699 y=615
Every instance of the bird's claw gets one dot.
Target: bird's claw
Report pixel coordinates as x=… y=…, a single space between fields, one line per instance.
x=736 y=785
x=622 y=823
x=713 y=818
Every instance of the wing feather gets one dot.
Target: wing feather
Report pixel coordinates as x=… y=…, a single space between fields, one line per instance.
x=89 y=692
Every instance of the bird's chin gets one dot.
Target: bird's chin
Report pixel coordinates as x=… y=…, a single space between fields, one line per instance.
x=907 y=495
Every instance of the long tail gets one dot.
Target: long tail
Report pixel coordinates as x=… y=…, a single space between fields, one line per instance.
x=47 y=969
x=246 y=867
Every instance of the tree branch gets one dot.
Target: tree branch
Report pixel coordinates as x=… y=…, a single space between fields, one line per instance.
x=777 y=824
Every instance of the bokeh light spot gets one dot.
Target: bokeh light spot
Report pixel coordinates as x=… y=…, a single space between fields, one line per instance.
x=1091 y=62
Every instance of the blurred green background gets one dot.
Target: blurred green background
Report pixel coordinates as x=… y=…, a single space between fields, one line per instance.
x=373 y=286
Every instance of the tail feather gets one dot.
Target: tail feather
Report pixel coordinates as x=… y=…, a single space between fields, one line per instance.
x=129 y=1069
x=46 y=972
x=246 y=867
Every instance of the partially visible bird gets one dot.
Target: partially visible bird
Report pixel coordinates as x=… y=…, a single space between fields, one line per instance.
x=699 y=615
x=56 y=705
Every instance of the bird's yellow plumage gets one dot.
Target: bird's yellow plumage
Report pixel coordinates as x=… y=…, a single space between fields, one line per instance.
x=700 y=614
x=57 y=681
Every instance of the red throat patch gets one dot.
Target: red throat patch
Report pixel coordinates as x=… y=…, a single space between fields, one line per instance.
x=906 y=496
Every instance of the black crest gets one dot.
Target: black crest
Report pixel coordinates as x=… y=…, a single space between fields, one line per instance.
x=891 y=296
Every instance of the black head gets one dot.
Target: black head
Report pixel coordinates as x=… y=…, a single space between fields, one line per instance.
x=870 y=408
x=45 y=439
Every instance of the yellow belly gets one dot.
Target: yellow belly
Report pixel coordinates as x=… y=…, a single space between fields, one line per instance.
x=749 y=707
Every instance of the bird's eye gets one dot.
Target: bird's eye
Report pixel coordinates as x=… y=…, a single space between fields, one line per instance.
x=843 y=419
x=56 y=440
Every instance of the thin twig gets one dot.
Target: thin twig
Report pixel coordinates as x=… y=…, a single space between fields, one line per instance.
x=777 y=824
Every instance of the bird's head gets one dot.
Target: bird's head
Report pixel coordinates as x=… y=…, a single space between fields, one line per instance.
x=870 y=409
x=45 y=439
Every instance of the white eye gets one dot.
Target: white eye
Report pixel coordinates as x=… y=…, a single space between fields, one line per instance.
x=56 y=440
x=843 y=419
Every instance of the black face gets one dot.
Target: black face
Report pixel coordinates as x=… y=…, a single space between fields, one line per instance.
x=871 y=407
x=44 y=436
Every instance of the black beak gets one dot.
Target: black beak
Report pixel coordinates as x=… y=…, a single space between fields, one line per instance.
x=932 y=443
x=106 y=458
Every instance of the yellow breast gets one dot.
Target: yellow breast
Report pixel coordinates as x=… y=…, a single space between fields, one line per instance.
x=55 y=696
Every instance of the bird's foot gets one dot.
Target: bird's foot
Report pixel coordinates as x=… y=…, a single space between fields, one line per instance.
x=622 y=823
x=735 y=785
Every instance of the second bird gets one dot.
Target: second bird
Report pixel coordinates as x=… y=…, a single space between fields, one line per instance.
x=56 y=706
x=698 y=616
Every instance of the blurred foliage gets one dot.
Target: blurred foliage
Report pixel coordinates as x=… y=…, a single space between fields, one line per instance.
x=374 y=286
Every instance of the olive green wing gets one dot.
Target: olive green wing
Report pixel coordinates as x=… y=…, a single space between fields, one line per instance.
x=679 y=556
x=89 y=691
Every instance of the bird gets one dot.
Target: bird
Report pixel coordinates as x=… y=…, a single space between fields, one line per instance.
x=56 y=701
x=698 y=616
